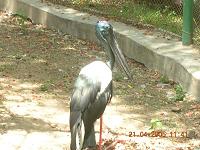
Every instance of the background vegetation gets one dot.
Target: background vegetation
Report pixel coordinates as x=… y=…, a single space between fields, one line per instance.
x=161 y=14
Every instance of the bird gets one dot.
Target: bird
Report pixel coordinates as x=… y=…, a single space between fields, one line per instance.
x=93 y=89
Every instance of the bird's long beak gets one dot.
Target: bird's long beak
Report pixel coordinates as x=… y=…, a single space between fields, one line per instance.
x=119 y=55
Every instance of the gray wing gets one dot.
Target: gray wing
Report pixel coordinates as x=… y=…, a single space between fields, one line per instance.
x=84 y=94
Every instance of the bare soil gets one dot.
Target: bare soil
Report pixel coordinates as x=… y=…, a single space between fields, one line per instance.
x=38 y=67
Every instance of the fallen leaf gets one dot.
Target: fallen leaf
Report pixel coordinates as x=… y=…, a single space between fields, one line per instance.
x=189 y=114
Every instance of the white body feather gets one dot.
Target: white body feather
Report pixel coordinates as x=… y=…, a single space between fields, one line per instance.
x=98 y=71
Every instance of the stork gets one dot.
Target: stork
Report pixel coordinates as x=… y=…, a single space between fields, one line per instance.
x=93 y=90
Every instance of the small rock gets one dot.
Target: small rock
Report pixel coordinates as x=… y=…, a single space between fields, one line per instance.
x=170 y=94
x=143 y=86
x=189 y=114
x=168 y=38
x=57 y=7
x=67 y=37
x=150 y=96
x=83 y=42
x=20 y=33
x=60 y=70
x=163 y=114
x=53 y=125
x=162 y=85
x=125 y=78
x=176 y=109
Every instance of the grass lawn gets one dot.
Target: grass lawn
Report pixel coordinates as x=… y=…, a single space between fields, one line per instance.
x=135 y=13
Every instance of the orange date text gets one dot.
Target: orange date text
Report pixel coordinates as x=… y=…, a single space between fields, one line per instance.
x=162 y=134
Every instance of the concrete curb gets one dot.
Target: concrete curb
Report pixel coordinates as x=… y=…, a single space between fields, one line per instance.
x=179 y=63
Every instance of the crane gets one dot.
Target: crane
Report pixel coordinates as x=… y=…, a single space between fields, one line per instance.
x=93 y=90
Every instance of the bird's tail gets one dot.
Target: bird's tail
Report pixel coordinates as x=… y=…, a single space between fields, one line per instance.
x=77 y=130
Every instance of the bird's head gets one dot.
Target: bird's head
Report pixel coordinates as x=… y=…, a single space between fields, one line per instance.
x=105 y=33
x=103 y=30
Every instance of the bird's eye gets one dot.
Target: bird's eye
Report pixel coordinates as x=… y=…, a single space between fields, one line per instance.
x=104 y=32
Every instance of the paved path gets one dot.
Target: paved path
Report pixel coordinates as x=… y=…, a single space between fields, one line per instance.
x=31 y=119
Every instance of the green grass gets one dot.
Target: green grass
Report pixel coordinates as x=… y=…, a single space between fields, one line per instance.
x=46 y=86
x=164 y=79
x=130 y=10
x=196 y=38
x=180 y=94
x=139 y=13
x=118 y=77
x=156 y=124
x=21 y=19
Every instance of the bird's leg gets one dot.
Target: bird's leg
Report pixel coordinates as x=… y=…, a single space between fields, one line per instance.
x=89 y=138
x=100 y=132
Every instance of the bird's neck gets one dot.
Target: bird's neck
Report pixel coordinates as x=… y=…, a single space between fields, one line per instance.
x=110 y=64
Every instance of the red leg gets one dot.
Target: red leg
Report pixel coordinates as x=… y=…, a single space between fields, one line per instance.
x=100 y=132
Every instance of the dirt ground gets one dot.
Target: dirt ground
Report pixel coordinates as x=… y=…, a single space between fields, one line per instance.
x=38 y=67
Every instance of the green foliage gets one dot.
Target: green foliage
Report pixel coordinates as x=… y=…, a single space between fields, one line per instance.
x=158 y=13
x=2 y=68
x=197 y=37
x=142 y=13
x=18 y=57
x=164 y=14
x=156 y=124
x=21 y=19
x=164 y=79
x=118 y=77
x=180 y=94
x=45 y=87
